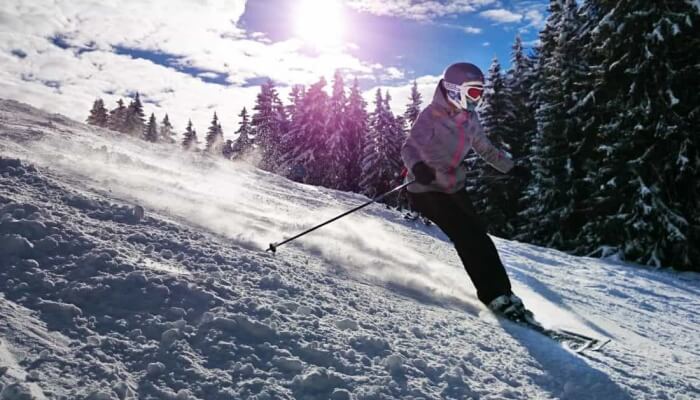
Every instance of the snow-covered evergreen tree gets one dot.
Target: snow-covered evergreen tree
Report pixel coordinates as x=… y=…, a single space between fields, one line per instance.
x=337 y=140
x=356 y=128
x=98 y=114
x=289 y=140
x=151 y=131
x=585 y=113
x=215 y=137
x=556 y=161
x=190 y=141
x=267 y=125
x=243 y=144
x=295 y=97
x=381 y=153
x=400 y=135
x=519 y=127
x=520 y=124
x=496 y=200
x=304 y=160
x=414 y=106
x=117 y=117
x=282 y=127
x=646 y=202
x=134 y=119
x=167 y=133
x=496 y=106
x=396 y=136
x=545 y=88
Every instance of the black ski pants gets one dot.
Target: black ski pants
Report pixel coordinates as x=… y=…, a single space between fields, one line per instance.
x=455 y=215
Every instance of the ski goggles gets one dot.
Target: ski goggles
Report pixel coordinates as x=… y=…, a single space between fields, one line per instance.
x=472 y=90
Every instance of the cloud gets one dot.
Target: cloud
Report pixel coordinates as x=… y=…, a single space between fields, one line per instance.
x=535 y=17
x=63 y=54
x=394 y=73
x=201 y=34
x=146 y=25
x=501 y=16
x=58 y=80
x=472 y=30
x=421 y=10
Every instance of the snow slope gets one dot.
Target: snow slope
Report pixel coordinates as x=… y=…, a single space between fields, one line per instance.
x=100 y=302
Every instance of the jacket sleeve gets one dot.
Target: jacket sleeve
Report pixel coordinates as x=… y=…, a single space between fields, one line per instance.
x=419 y=137
x=486 y=150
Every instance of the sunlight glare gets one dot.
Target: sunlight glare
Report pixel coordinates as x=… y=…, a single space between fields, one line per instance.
x=320 y=22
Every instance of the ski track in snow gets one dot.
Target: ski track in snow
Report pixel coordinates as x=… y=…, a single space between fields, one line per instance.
x=97 y=303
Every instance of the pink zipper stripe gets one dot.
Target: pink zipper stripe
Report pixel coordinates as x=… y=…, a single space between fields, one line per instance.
x=457 y=157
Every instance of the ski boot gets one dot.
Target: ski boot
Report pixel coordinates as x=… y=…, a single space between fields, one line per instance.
x=511 y=307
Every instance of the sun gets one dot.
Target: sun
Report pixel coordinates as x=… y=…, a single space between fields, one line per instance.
x=320 y=22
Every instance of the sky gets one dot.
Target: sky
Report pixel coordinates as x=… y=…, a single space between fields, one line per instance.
x=191 y=58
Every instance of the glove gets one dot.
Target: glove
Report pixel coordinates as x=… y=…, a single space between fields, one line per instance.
x=423 y=173
x=520 y=172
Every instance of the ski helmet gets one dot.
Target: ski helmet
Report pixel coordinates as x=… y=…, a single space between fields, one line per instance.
x=464 y=85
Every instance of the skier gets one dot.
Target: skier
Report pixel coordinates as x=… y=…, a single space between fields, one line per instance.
x=445 y=131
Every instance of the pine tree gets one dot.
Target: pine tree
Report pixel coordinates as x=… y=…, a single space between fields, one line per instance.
x=401 y=130
x=497 y=201
x=167 y=133
x=293 y=138
x=267 y=121
x=381 y=153
x=243 y=144
x=552 y=193
x=295 y=97
x=519 y=127
x=221 y=135
x=215 y=137
x=98 y=114
x=496 y=105
x=544 y=95
x=134 y=119
x=645 y=203
x=413 y=109
x=151 y=132
x=396 y=135
x=356 y=129
x=282 y=125
x=304 y=160
x=520 y=124
x=337 y=143
x=117 y=117
x=190 y=141
x=583 y=115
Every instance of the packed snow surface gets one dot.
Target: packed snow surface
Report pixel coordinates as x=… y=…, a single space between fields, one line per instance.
x=135 y=271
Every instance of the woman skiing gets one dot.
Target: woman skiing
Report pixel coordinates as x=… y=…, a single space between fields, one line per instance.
x=445 y=131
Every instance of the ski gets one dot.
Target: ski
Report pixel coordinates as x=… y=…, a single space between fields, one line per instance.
x=574 y=341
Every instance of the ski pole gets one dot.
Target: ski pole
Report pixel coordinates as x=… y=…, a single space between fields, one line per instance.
x=496 y=178
x=273 y=246
x=488 y=178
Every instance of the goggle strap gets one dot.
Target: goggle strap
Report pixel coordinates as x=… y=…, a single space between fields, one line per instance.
x=465 y=85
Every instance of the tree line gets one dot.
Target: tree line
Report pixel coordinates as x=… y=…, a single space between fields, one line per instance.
x=604 y=111
x=330 y=140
